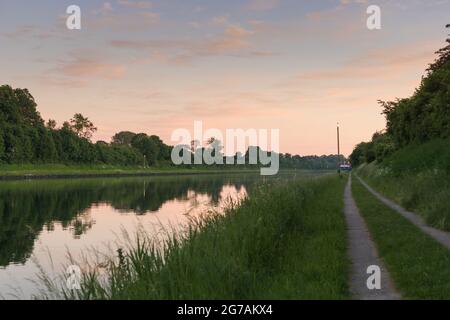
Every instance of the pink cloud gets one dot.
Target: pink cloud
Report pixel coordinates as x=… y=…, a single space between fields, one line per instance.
x=108 y=17
x=91 y=68
x=379 y=63
x=235 y=40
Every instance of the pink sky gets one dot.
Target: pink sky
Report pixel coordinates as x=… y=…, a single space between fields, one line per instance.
x=153 y=67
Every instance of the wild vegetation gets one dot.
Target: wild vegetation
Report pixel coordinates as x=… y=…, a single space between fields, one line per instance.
x=419 y=265
x=411 y=121
x=410 y=161
x=285 y=241
x=418 y=178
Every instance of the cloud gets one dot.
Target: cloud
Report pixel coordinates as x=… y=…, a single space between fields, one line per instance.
x=150 y=44
x=264 y=53
x=220 y=20
x=357 y=83
x=107 y=17
x=199 y=9
x=20 y=31
x=62 y=82
x=107 y=7
x=237 y=31
x=194 y=24
x=35 y=32
x=235 y=40
x=263 y=5
x=347 y=2
x=84 y=67
x=135 y=4
x=380 y=63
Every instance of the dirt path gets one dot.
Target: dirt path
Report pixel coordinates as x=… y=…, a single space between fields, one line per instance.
x=363 y=253
x=439 y=235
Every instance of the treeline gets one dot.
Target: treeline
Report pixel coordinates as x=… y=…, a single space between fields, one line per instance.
x=325 y=162
x=25 y=138
x=422 y=117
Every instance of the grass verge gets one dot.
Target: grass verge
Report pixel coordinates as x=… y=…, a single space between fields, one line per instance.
x=418 y=178
x=11 y=172
x=419 y=266
x=284 y=242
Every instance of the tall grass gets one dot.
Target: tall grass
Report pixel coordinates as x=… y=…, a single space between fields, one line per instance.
x=284 y=242
x=12 y=170
x=419 y=265
x=418 y=178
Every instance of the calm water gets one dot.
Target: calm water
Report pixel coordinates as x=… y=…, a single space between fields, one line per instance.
x=44 y=220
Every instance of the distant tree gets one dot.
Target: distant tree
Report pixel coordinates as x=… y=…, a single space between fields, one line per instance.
x=82 y=126
x=357 y=157
x=443 y=56
x=123 y=138
x=17 y=107
x=26 y=138
x=147 y=147
x=51 y=124
x=66 y=125
x=448 y=26
x=2 y=145
x=45 y=147
x=425 y=115
x=18 y=145
x=102 y=143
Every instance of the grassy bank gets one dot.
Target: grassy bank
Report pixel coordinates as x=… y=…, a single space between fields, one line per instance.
x=284 y=242
x=418 y=178
x=419 y=265
x=58 y=170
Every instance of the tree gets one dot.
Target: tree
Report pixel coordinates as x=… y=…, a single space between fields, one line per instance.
x=448 y=26
x=2 y=145
x=26 y=138
x=82 y=126
x=27 y=108
x=443 y=57
x=426 y=114
x=51 y=124
x=45 y=147
x=147 y=147
x=123 y=138
x=17 y=107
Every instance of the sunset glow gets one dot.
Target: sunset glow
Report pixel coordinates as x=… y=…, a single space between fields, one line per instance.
x=153 y=67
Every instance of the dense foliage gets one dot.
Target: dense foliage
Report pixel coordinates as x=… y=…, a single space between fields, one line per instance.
x=24 y=138
x=422 y=117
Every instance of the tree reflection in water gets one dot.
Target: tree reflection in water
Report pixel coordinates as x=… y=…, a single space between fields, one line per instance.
x=29 y=207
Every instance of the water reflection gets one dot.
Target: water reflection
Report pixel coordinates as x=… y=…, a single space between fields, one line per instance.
x=42 y=218
x=28 y=208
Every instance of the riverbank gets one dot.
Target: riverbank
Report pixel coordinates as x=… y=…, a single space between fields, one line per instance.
x=36 y=172
x=285 y=241
x=417 y=178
